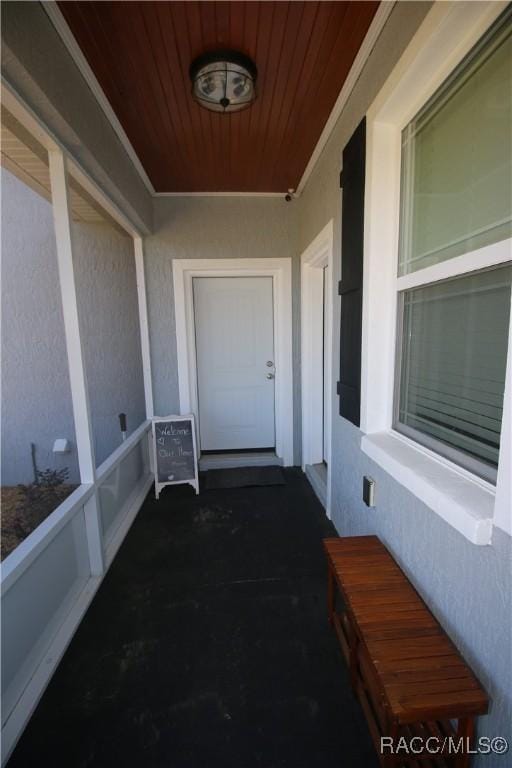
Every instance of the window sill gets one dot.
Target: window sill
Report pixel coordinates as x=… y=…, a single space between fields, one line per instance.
x=465 y=502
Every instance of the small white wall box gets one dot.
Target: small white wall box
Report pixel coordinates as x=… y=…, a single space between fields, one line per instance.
x=61 y=445
x=369 y=491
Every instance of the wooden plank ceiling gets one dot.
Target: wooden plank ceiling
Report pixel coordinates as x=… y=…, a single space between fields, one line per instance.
x=140 y=53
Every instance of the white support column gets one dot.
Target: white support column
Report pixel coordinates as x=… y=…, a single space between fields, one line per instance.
x=144 y=325
x=151 y=454
x=77 y=377
x=77 y=374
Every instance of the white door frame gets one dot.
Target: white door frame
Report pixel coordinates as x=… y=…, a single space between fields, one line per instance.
x=316 y=257
x=184 y=271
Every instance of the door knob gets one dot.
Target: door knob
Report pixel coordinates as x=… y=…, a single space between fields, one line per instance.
x=269 y=363
x=270 y=375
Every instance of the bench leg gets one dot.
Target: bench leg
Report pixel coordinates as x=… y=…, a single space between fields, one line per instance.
x=330 y=594
x=465 y=732
x=354 y=664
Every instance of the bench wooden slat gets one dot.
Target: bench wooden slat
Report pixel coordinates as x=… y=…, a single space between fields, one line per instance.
x=400 y=691
x=404 y=667
x=384 y=597
x=413 y=708
x=414 y=617
x=424 y=675
x=424 y=663
x=377 y=632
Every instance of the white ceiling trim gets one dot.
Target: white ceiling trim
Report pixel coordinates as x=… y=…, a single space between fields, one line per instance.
x=14 y=104
x=366 y=48
x=67 y=37
x=374 y=30
x=219 y=194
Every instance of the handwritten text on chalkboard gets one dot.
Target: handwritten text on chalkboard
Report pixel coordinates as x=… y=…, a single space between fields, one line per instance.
x=175 y=454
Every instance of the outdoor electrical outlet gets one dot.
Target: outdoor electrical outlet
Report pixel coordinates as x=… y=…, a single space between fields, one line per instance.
x=61 y=445
x=369 y=491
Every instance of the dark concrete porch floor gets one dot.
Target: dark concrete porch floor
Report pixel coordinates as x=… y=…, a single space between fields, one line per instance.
x=207 y=645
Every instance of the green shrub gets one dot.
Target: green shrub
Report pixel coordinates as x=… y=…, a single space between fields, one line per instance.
x=39 y=499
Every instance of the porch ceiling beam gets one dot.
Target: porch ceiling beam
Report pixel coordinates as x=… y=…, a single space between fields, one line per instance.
x=36 y=128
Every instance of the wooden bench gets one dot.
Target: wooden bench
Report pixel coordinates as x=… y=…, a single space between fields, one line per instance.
x=409 y=677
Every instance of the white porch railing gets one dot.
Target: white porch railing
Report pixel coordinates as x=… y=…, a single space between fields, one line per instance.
x=47 y=582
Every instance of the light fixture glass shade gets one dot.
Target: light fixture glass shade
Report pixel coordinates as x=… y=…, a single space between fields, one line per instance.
x=223 y=81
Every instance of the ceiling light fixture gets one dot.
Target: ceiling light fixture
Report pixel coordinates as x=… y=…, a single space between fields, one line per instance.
x=223 y=81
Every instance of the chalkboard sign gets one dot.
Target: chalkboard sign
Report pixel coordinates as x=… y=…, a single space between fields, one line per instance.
x=174 y=443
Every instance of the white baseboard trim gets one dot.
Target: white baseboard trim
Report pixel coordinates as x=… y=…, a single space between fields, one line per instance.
x=317 y=476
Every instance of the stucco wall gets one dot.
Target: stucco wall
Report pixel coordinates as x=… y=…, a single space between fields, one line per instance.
x=36 y=396
x=466 y=586
x=109 y=322
x=37 y=64
x=211 y=228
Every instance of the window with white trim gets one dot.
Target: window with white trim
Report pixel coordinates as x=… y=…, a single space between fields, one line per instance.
x=454 y=273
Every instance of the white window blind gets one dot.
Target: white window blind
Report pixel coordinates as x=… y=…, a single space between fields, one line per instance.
x=453 y=361
x=457 y=161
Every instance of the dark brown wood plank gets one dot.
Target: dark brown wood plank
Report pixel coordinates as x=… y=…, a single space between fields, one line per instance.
x=397 y=693
x=319 y=97
x=300 y=25
x=450 y=704
x=457 y=670
x=302 y=119
x=410 y=648
x=267 y=85
x=415 y=664
x=388 y=632
x=140 y=53
x=384 y=598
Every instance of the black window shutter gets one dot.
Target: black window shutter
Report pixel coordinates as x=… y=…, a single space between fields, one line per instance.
x=351 y=285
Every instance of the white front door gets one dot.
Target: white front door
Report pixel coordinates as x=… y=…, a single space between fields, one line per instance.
x=234 y=322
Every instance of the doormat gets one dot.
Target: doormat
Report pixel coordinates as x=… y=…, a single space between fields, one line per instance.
x=243 y=477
